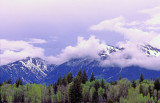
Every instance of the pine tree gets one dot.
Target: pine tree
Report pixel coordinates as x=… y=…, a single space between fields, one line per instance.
x=55 y=87
x=92 y=77
x=157 y=84
x=102 y=84
x=141 y=89
x=80 y=74
x=120 y=78
x=9 y=81
x=150 y=90
x=19 y=82
x=59 y=82
x=75 y=91
x=0 y=96
x=95 y=97
x=141 y=78
x=133 y=84
x=96 y=85
x=84 y=77
x=69 y=77
x=49 y=94
x=64 y=81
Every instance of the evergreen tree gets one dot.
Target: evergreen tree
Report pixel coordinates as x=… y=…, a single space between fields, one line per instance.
x=120 y=78
x=92 y=77
x=69 y=77
x=141 y=78
x=19 y=82
x=84 y=77
x=75 y=91
x=150 y=90
x=49 y=94
x=96 y=85
x=5 y=82
x=95 y=97
x=80 y=74
x=0 y=96
x=133 y=84
x=141 y=89
x=4 y=98
x=9 y=81
x=59 y=82
x=157 y=84
x=55 y=87
x=102 y=84
x=64 y=81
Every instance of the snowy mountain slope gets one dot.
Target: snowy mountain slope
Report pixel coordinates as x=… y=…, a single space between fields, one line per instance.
x=108 y=50
x=38 y=71
x=29 y=69
x=108 y=73
x=150 y=50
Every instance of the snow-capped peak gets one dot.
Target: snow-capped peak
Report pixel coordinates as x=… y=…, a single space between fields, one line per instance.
x=37 y=63
x=108 y=50
x=150 y=50
x=146 y=48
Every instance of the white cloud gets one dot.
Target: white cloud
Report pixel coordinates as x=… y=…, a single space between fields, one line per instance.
x=132 y=31
x=16 y=50
x=144 y=31
x=90 y=47
x=37 y=41
x=132 y=55
x=136 y=33
x=154 y=16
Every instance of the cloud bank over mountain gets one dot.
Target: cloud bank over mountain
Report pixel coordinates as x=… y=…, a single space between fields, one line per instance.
x=90 y=47
x=145 y=31
x=11 y=51
x=135 y=32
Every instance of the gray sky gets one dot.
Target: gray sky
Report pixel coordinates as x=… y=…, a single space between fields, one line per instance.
x=51 y=25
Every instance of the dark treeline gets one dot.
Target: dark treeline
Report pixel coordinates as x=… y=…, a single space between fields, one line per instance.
x=69 y=89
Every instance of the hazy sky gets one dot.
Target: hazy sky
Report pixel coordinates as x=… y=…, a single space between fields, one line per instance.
x=51 y=25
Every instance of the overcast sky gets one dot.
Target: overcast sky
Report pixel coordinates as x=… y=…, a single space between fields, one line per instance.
x=49 y=27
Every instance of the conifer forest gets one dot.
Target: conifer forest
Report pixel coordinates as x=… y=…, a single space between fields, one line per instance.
x=81 y=89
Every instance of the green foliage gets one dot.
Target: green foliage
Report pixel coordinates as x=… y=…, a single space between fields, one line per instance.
x=75 y=92
x=80 y=89
x=96 y=85
x=85 y=93
x=34 y=93
x=135 y=97
x=59 y=97
x=101 y=93
x=92 y=90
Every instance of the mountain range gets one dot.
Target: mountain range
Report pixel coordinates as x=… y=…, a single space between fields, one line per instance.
x=37 y=70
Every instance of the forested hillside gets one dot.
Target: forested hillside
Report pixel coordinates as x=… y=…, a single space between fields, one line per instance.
x=69 y=89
